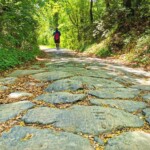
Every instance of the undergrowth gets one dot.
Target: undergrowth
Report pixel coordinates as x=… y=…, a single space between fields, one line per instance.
x=10 y=58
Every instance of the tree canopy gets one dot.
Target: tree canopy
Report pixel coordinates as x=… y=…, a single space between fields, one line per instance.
x=102 y=27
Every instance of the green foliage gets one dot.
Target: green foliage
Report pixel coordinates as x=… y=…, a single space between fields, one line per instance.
x=104 y=52
x=105 y=27
x=12 y=57
x=142 y=49
x=18 y=39
x=17 y=24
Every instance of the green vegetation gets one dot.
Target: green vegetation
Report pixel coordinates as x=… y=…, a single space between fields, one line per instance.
x=18 y=42
x=99 y=27
x=14 y=57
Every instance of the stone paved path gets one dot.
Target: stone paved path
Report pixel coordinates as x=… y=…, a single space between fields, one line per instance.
x=83 y=104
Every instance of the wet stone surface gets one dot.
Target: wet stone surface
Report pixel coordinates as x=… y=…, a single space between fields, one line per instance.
x=61 y=97
x=85 y=119
x=126 y=105
x=23 y=138
x=130 y=141
x=9 y=111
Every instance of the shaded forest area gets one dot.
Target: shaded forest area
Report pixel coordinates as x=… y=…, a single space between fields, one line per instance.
x=96 y=27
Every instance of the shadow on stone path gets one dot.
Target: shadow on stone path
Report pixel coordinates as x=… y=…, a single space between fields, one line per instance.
x=84 y=104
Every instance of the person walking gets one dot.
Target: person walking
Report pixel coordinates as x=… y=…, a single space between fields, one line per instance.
x=57 y=35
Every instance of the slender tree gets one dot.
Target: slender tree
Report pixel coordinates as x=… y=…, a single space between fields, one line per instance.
x=56 y=16
x=91 y=11
x=127 y=3
x=107 y=4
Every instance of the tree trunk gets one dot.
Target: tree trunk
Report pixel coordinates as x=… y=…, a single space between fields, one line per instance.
x=107 y=4
x=138 y=3
x=56 y=16
x=127 y=3
x=91 y=11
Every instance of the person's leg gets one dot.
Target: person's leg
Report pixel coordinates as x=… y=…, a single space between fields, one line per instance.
x=57 y=44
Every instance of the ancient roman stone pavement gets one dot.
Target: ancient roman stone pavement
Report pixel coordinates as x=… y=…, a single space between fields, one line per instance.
x=85 y=104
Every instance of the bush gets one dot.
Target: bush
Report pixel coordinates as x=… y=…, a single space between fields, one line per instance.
x=140 y=52
x=104 y=52
x=12 y=57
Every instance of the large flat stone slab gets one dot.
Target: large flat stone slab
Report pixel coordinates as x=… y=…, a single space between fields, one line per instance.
x=124 y=80
x=66 y=64
x=64 y=68
x=85 y=119
x=86 y=73
x=28 y=138
x=65 y=84
x=147 y=114
x=115 y=93
x=61 y=97
x=19 y=73
x=97 y=73
x=51 y=76
x=79 y=69
x=92 y=83
x=130 y=141
x=9 y=111
x=8 y=80
x=127 y=105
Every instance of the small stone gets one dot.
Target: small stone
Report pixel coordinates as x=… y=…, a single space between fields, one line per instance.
x=147 y=114
x=146 y=97
x=136 y=140
x=8 y=80
x=99 y=141
x=34 y=84
x=3 y=88
x=61 y=97
x=19 y=94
